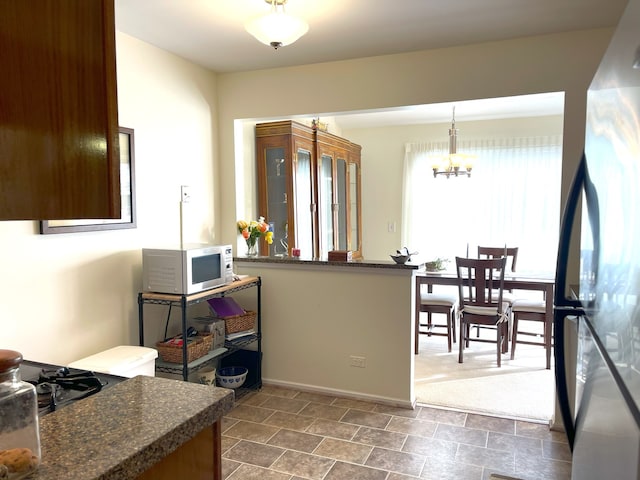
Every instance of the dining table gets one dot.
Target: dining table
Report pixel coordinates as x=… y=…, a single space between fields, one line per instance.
x=512 y=281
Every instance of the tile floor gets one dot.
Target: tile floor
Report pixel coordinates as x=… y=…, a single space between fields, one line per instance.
x=282 y=434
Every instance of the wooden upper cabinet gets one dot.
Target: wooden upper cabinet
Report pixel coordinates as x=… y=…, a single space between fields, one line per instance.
x=308 y=190
x=59 y=155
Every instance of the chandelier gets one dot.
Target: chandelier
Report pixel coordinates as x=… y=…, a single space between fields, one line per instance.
x=276 y=29
x=454 y=163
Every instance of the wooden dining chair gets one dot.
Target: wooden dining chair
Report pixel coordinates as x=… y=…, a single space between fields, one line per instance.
x=511 y=254
x=531 y=310
x=436 y=303
x=480 y=290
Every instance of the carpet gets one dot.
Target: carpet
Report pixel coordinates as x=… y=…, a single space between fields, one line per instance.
x=522 y=388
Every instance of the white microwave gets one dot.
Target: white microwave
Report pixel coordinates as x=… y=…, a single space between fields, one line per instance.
x=188 y=270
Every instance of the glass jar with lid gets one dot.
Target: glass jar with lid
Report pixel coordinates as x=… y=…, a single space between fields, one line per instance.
x=19 y=431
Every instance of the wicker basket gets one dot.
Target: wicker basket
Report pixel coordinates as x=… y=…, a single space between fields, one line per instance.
x=195 y=349
x=240 y=323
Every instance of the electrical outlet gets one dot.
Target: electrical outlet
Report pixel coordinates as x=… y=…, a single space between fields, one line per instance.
x=356 y=361
x=185 y=193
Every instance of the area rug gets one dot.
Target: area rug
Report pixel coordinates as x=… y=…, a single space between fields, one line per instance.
x=521 y=388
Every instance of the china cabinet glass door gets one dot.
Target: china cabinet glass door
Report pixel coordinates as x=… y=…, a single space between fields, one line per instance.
x=277 y=201
x=325 y=201
x=303 y=207
x=341 y=204
x=354 y=203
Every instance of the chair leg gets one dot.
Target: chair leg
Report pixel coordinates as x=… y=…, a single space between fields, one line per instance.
x=505 y=329
x=508 y=325
x=514 y=335
x=454 y=320
x=547 y=343
x=499 y=336
x=449 y=331
x=416 y=339
x=461 y=346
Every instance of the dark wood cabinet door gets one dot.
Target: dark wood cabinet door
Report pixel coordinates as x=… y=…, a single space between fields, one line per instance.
x=59 y=154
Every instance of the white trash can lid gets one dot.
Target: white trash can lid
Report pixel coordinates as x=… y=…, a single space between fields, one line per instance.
x=116 y=360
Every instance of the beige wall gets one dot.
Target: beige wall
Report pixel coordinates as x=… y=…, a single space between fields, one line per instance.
x=69 y=295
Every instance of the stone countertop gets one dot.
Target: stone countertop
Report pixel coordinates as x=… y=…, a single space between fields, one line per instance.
x=124 y=430
x=356 y=263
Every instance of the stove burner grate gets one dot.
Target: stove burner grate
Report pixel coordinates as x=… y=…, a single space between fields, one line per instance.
x=59 y=387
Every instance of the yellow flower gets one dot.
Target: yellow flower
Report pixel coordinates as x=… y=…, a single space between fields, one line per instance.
x=269 y=237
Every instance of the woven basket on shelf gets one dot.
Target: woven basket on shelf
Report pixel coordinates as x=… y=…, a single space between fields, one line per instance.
x=198 y=347
x=240 y=323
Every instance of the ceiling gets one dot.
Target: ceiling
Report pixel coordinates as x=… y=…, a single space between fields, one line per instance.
x=483 y=109
x=211 y=33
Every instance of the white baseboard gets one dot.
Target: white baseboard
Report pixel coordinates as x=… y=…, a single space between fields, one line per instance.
x=392 y=402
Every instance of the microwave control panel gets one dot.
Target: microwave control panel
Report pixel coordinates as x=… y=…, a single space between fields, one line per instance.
x=228 y=263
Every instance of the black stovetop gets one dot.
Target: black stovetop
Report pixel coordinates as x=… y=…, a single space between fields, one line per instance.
x=58 y=386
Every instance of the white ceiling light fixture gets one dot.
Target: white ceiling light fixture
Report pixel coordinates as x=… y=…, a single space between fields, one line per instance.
x=277 y=28
x=451 y=164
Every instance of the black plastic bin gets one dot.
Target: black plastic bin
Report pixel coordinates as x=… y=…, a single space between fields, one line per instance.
x=249 y=359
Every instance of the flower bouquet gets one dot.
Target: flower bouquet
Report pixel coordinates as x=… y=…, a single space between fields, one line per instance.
x=251 y=231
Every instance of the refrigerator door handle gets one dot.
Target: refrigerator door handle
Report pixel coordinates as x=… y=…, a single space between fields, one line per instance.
x=566 y=227
x=581 y=182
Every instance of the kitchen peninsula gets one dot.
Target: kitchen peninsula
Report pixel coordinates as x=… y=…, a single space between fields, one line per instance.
x=340 y=328
x=142 y=428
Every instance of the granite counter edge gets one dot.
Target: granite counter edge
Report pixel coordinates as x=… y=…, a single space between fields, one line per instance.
x=128 y=458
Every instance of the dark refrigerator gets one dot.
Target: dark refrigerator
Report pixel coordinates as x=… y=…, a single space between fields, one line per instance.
x=602 y=419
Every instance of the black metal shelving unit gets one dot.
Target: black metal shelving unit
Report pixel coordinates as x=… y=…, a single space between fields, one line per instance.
x=230 y=347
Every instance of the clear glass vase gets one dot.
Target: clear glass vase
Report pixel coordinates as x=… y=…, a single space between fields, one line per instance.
x=252 y=248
